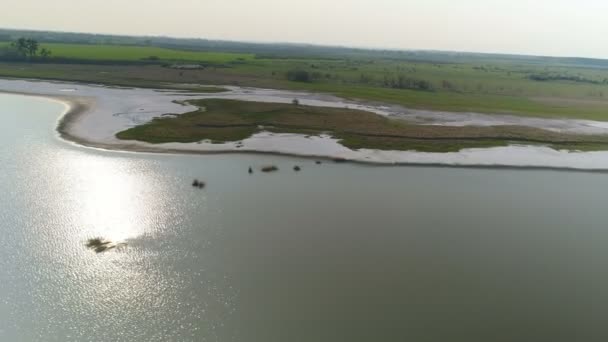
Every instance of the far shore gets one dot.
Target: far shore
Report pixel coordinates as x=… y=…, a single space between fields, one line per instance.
x=94 y=114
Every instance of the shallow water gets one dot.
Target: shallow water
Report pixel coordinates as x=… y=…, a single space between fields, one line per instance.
x=337 y=252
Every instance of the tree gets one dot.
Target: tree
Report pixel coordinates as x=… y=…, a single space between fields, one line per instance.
x=31 y=47
x=45 y=53
x=447 y=85
x=26 y=47
x=21 y=46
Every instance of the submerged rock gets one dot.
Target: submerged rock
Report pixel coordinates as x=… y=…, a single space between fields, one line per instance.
x=198 y=184
x=250 y=170
x=270 y=168
x=297 y=168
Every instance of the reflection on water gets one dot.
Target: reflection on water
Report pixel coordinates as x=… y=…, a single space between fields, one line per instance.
x=114 y=200
x=335 y=252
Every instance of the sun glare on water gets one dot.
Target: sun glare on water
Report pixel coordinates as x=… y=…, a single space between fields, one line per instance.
x=114 y=199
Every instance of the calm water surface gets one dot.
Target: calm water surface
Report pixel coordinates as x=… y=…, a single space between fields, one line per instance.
x=338 y=252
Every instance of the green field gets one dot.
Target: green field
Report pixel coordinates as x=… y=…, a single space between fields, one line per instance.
x=486 y=88
x=221 y=120
x=136 y=53
x=493 y=84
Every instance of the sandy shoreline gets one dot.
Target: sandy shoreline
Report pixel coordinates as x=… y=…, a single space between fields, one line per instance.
x=94 y=114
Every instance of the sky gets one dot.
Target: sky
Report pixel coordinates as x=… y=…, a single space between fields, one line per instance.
x=537 y=27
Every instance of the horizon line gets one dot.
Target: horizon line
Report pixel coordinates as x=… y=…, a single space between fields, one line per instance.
x=321 y=45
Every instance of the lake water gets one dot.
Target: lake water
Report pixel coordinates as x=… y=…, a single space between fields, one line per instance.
x=337 y=252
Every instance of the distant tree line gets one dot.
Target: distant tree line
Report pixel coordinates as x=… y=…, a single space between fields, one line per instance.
x=300 y=51
x=404 y=82
x=544 y=77
x=396 y=82
x=303 y=76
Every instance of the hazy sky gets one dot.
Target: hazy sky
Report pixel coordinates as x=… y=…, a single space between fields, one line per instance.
x=546 y=27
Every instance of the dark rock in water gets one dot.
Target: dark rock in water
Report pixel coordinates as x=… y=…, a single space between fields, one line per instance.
x=100 y=245
x=297 y=168
x=250 y=170
x=340 y=160
x=95 y=242
x=271 y=168
x=195 y=183
x=318 y=162
x=103 y=248
x=201 y=185
x=198 y=184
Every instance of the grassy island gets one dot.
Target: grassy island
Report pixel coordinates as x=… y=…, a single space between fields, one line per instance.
x=221 y=120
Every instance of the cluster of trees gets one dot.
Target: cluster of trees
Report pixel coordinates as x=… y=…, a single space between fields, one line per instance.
x=305 y=76
x=27 y=47
x=24 y=48
x=299 y=76
x=404 y=82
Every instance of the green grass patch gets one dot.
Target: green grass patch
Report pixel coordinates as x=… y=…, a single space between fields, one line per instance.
x=136 y=53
